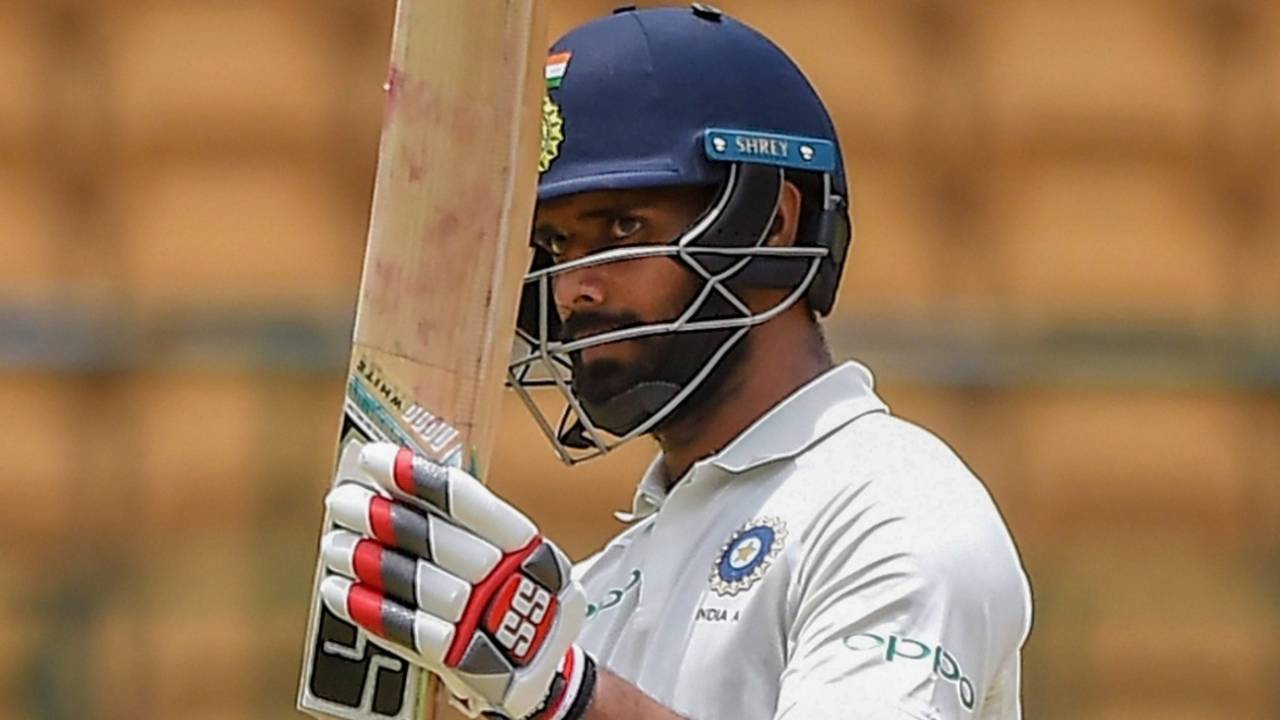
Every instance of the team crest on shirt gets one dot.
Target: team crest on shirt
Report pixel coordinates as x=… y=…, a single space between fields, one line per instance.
x=747 y=555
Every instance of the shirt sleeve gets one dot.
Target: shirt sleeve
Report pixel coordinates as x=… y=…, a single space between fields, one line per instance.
x=904 y=610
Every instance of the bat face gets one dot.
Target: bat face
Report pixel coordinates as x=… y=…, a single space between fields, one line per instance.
x=448 y=244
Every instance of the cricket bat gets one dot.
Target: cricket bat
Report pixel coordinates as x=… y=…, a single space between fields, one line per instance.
x=448 y=245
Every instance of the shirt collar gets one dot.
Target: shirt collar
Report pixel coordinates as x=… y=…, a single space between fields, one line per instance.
x=650 y=494
x=828 y=403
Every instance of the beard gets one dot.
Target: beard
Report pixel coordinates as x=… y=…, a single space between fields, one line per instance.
x=597 y=381
x=660 y=364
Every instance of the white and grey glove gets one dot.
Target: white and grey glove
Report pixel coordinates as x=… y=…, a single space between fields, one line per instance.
x=453 y=578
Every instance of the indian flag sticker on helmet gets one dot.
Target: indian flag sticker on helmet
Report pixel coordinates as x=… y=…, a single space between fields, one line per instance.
x=556 y=66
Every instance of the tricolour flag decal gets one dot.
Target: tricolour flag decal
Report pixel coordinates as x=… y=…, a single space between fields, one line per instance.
x=556 y=65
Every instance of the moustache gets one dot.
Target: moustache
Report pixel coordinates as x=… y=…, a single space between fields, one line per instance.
x=580 y=325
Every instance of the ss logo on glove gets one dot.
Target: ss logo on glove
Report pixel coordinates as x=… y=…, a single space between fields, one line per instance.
x=524 y=624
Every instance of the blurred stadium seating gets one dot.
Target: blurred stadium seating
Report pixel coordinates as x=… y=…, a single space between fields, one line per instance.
x=1067 y=264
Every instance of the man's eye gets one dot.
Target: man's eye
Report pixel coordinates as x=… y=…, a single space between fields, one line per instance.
x=626 y=226
x=553 y=244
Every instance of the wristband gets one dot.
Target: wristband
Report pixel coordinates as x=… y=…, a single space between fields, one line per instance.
x=572 y=690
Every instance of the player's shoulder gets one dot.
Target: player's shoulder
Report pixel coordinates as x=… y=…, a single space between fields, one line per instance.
x=881 y=467
x=890 y=451
x=883 y=487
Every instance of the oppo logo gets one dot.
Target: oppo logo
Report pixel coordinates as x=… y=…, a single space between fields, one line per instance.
x=896 y=648
x=614 y=596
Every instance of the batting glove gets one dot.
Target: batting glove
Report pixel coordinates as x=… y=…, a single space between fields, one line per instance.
x=456 y=580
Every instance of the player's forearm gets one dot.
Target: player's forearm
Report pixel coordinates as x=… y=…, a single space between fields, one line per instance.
x=617 y=699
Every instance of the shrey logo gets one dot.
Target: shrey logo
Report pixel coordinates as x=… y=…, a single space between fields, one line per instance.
x=897 y=648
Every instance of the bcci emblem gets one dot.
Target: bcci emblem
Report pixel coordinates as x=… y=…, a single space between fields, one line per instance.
x=745 y=558
x=552 y=133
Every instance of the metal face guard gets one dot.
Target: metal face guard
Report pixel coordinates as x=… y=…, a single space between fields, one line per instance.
x=713 y=248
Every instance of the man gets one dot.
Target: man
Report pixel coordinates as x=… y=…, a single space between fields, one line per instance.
x=795 y=551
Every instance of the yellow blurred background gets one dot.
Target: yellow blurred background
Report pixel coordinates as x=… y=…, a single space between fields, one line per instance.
x=1067 y=265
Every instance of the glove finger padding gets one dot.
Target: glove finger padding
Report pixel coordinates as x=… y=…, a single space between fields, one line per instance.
x=415 y=583
x=413 y=532
x=449 y=491
x=414 y=634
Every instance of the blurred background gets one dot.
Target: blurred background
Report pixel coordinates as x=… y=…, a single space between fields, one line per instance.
x=1067 y=265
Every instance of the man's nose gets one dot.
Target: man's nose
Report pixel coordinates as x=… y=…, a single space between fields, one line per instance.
x=578 y=289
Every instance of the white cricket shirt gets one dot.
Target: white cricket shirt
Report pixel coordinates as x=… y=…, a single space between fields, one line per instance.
x=832 y=562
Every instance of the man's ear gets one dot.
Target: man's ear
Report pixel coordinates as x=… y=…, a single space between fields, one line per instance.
x=783 y=231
